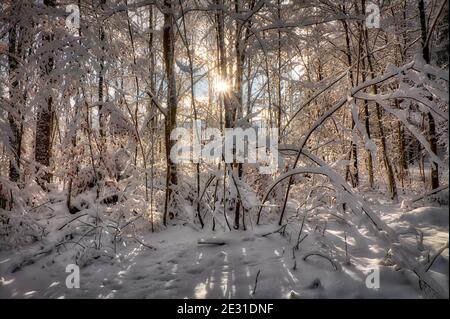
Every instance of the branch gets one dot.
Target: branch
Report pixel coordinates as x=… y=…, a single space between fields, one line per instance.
x=335 y=266
x=256 y=282
x=438 y=253
x=432 y=192
x=162 y=109
x=73 y=219
x=279 y=230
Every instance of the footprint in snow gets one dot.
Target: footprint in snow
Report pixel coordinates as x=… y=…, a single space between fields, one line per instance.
x=194 y=271
x=166 y=277
x=138 y=277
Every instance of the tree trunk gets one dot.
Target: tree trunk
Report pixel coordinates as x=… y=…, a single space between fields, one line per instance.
x=279 y=68
x=153 y=123
x=369 y=162
x=225 y=94
x=170 y=121
x=431 y=123
x=13 y=119
x=353 y=148
x=101 y=80
x=392 y=187
x=44 y=121
x=195 y=135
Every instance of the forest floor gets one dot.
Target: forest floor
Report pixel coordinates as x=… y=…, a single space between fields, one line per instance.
x=245 y=264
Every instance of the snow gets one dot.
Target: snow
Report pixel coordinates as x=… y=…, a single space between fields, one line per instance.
x=183 y=266
x=426 y=217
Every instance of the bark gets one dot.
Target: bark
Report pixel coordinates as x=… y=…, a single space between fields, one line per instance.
x=74 y=144
x=392 y=187
x=367 y=121
x=44 y=121
x=194 y=109
x=153 y=123
x=434 y=178
x=279 y=67
x=14 y=120
x=353 y=149
x=240 y=51
x=224 y=95
x=223 y=65
x=101 y=80
x=170 y=121
x=403 y=163
x=369 y=153
x=240 y=56
x=401 y=148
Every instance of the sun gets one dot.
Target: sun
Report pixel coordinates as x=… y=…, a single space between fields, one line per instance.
x=221 y=85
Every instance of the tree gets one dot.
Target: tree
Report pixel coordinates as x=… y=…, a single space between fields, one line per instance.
x=434 y=176
x=15 y=123
x=171 y=117
x=45 y=115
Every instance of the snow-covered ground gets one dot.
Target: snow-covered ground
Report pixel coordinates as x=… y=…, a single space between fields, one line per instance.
x=181 y=265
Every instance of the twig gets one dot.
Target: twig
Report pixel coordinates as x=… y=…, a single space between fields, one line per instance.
x=295 y=259
x=434 y=191
x=323 y=256
x=70 y=242
x=143 y=244
x=33 y=208
x=438 y=253
x=256 y=282
x=210 y=242
x=300 y=232
x=279 y=230
x=300 y=241
x=347 y=259
x=73 y=219
x=131 y=221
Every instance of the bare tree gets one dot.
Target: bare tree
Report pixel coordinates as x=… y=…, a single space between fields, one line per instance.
x=45 y=115
x=171 y=118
